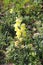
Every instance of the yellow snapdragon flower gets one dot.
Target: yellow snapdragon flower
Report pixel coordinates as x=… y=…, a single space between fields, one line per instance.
x=20 y=28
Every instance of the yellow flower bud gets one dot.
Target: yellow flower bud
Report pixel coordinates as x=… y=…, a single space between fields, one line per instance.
x=18 y=19
x=22 y=46
x=33 y=54
x=11 y=11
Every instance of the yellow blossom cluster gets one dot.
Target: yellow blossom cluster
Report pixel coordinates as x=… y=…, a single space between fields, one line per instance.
x=20 y=28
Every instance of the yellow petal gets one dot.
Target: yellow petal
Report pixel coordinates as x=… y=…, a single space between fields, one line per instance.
x=16 y=29
x=24 y=34
x=23 y=27
x=18 y=33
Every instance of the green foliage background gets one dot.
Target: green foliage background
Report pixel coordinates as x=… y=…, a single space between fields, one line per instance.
x=32 y=13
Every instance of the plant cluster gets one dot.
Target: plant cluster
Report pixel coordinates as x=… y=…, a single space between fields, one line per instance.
x=21 y=32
